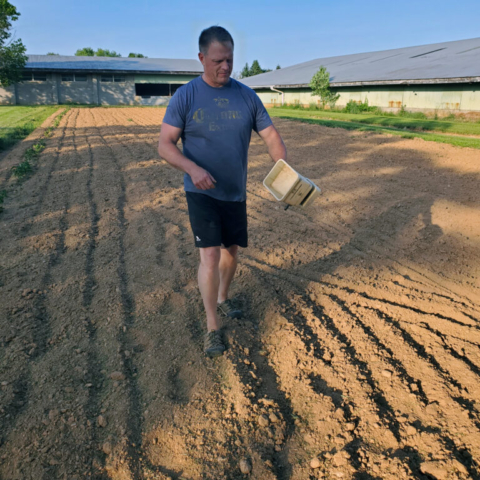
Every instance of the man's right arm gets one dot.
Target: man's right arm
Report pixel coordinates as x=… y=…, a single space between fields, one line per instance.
x=168 y=150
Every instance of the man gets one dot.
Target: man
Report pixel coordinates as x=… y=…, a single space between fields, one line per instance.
x=214 y=115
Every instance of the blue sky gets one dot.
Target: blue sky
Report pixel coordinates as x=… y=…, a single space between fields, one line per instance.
x=273 y=32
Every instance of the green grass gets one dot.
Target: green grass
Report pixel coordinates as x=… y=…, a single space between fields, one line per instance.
x=348 y=124
x=416 y=124
x=16 y=123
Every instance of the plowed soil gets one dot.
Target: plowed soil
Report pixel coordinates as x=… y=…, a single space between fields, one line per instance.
x=359 y=348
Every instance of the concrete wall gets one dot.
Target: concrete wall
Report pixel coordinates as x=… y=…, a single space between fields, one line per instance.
x=77 y=92
x=7 y=95
x=444 y=98
x=37 y=92
x=91 y=92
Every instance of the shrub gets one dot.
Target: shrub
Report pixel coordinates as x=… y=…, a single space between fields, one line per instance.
x=21 y=169
x=359 y=107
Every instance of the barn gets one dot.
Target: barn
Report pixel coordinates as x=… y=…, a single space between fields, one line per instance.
x=56 y=79
x=441 y=77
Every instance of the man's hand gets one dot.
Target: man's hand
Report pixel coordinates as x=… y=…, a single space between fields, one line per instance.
x=201 y=178
x=167 y=148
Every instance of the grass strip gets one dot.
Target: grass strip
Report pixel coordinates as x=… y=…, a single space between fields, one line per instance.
x=347 y=125
x=415 y=124
x=32 y=153
x=16 y=123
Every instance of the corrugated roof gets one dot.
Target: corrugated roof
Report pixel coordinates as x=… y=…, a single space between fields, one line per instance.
x=117 y=64
x=457 y=61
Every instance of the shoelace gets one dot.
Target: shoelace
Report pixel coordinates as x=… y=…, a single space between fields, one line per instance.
x=229 y=304
x=214 y=339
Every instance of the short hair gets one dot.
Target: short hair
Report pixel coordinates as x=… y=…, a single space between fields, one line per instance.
x=213 y=34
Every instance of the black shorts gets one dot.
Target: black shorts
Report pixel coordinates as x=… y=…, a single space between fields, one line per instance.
x=217 y=223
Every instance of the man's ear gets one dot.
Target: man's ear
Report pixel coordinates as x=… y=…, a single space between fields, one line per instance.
x=201 y=57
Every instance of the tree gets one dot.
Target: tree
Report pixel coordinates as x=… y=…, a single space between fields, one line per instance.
x=103 y=52
x=255 y=69
x=85 y=52
x=278 y=67
x=136 y=55
x=12 y=53
x=320 y=85
x=51 y=53
x=245 y=71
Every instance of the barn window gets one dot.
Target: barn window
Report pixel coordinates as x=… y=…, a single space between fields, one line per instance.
x=67 y=78
x=174 y=87
x=80 y=77
x=26 y=77
x=118 y=78
x=156 y=89
x=40 y=77
x=152 y=89
x=106 y=78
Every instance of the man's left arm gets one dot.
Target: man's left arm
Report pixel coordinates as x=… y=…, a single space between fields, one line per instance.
x=274 y=142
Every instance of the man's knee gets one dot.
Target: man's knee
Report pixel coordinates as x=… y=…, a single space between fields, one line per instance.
x=210 y=257
x=230 y=253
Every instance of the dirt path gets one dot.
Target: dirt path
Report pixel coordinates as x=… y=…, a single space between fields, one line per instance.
x=360 y=344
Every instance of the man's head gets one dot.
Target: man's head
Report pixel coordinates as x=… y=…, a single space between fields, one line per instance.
x=216 y=54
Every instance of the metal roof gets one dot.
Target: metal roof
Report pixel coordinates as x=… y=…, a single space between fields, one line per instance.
x=448 y=62
x=112 y=64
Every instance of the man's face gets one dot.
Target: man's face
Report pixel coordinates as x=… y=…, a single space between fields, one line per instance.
x=217 y=63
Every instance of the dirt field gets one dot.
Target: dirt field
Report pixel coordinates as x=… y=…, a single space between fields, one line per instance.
x=360 y=344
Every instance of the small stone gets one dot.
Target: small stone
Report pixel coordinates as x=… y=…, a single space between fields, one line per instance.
x=327 y=357
x=339 y=460
x=102 y=421
x=411 y=430
x=387 y=373
x=315 y=463
x=107 y=448
x=273 y=418
x=434 y=469
x=350 y=427
x=245 y=466
x=117 y=376
x=53 y=414
x=263 y=421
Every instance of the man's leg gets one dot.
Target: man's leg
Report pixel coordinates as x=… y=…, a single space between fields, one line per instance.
x=227 y=267
x=209 y=282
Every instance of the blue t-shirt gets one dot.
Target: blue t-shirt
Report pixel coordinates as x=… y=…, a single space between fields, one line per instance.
x=217 y=125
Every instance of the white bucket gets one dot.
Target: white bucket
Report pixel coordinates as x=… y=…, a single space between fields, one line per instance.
x=288 y=186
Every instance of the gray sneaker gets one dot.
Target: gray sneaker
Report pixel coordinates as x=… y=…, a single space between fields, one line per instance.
x=229 y=308
x=214 y=346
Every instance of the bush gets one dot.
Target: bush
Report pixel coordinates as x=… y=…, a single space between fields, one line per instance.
x=359 y=107
x=22 y=169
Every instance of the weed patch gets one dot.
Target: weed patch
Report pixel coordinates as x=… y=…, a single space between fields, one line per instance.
x=22 y=169
x=32 y=153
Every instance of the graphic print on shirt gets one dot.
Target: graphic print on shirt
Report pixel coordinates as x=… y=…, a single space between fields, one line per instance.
x=218 y=120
